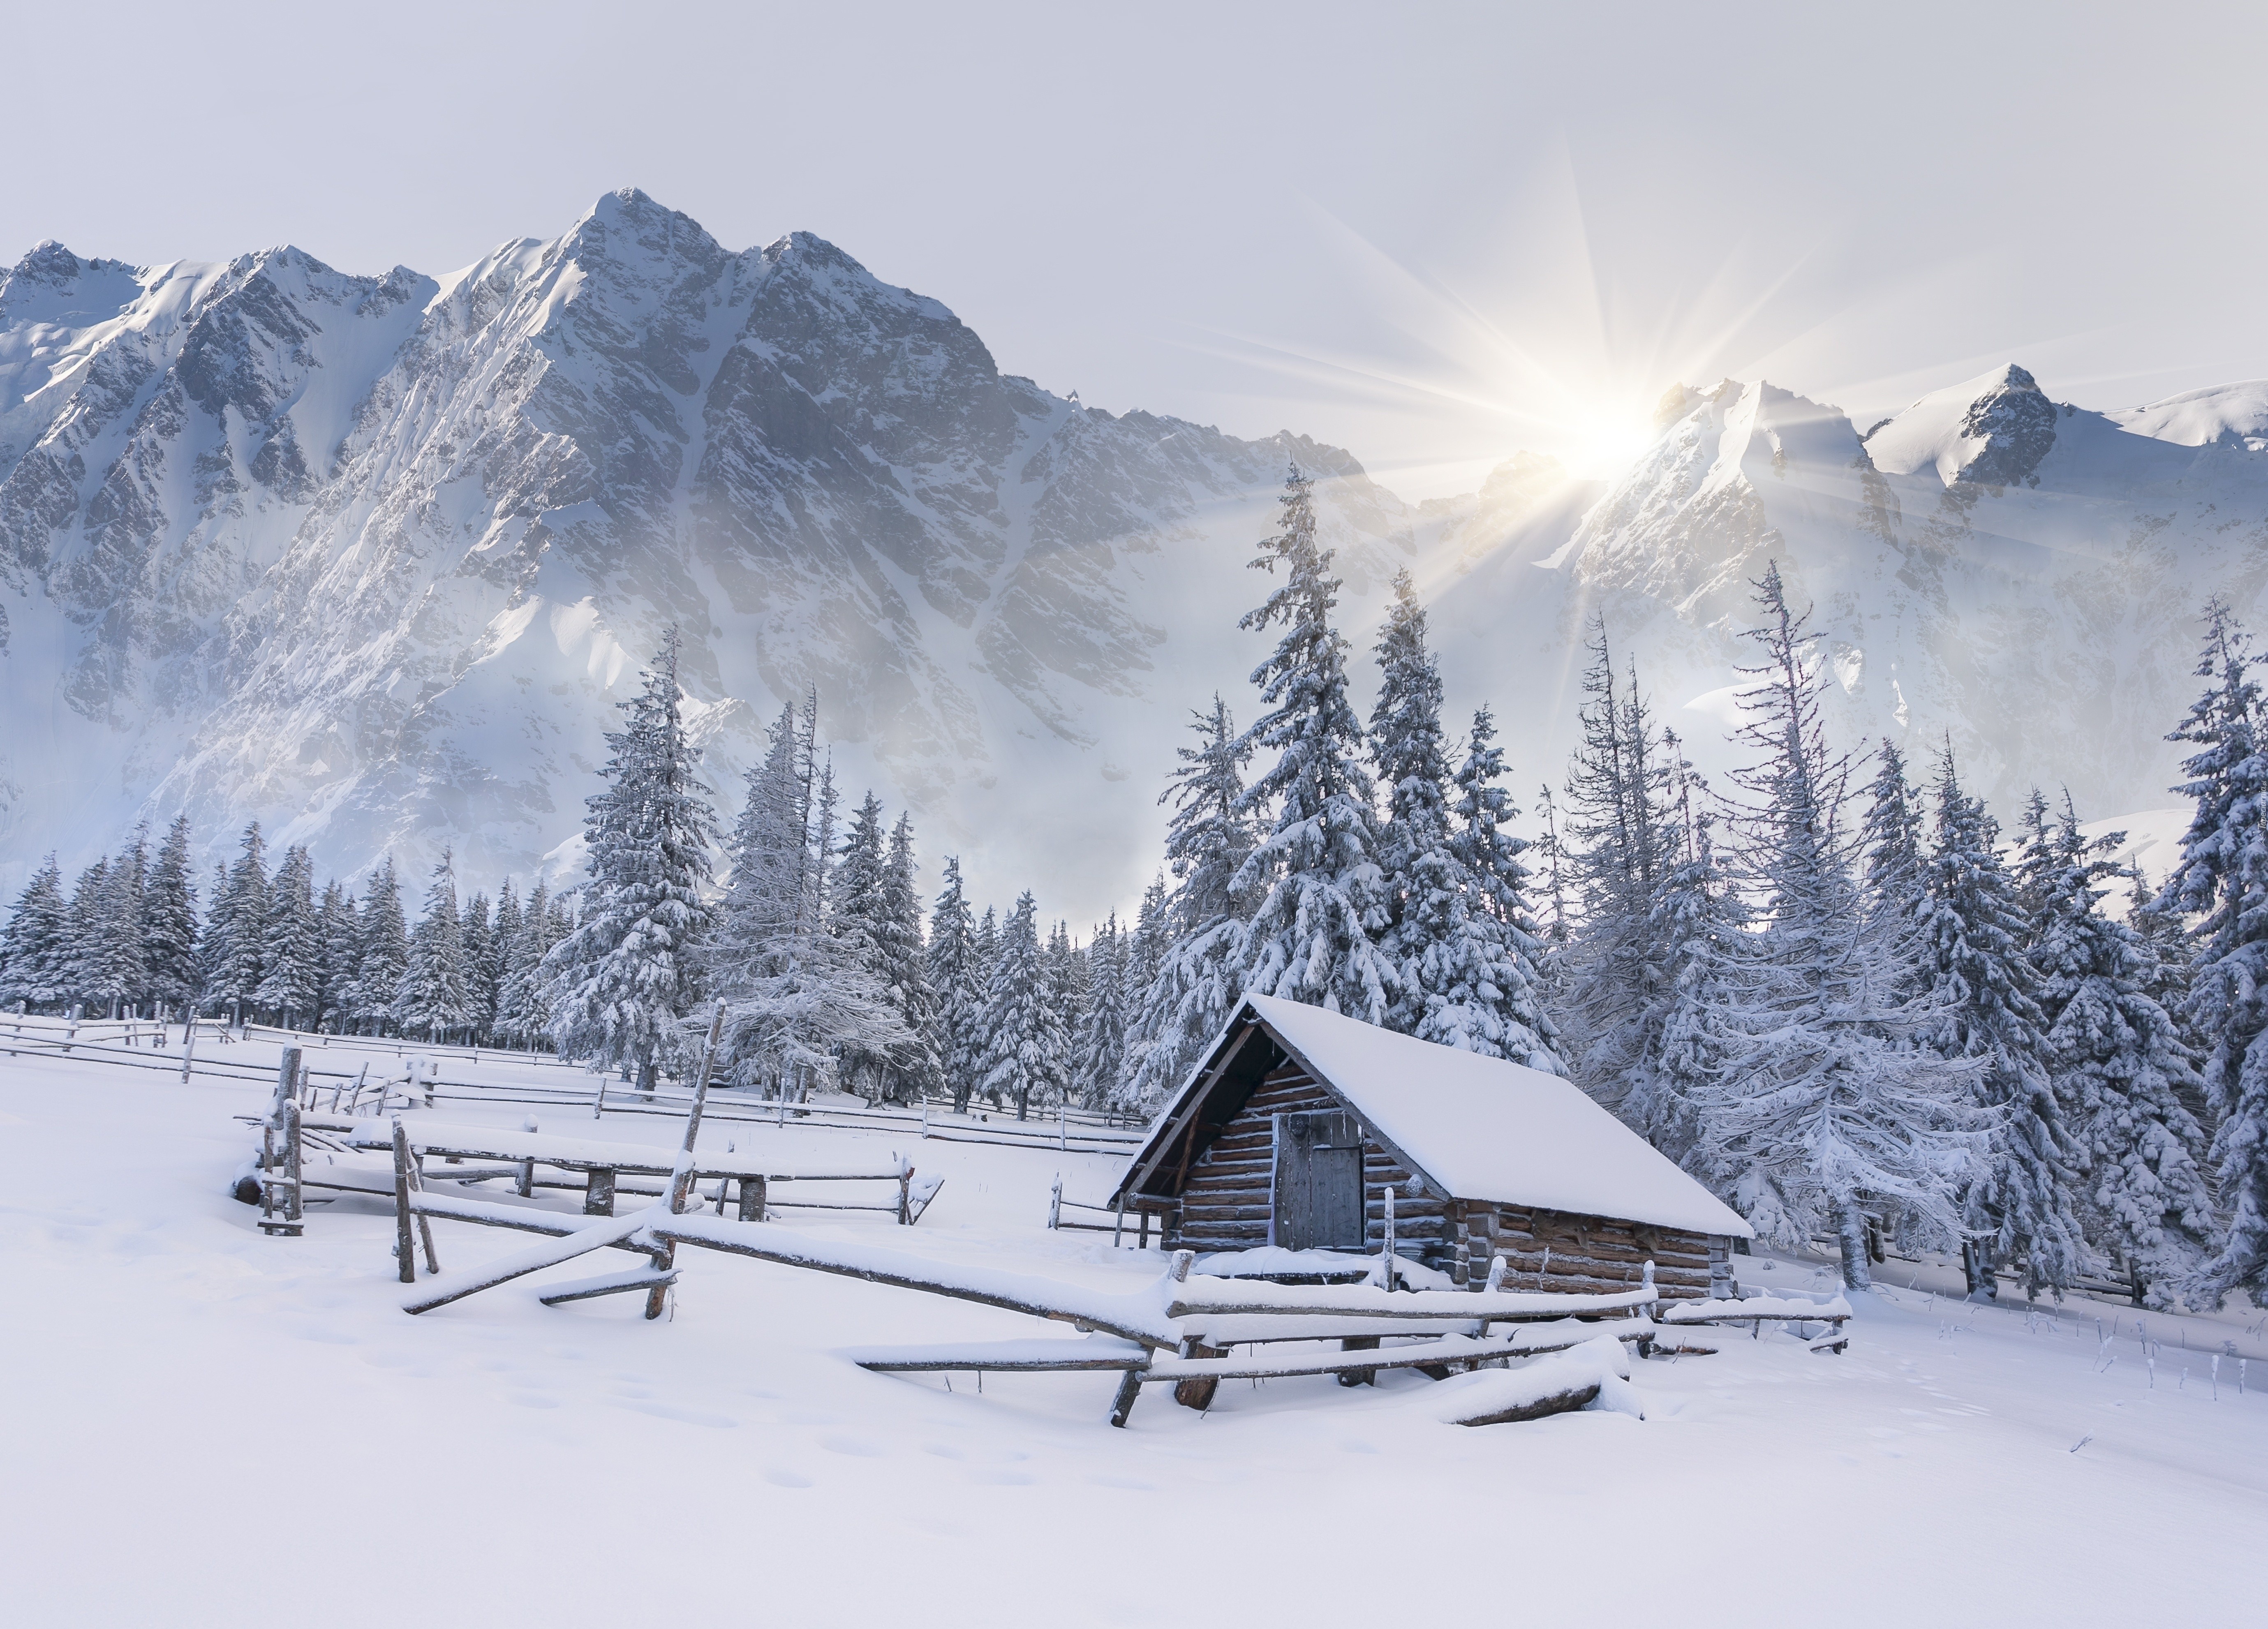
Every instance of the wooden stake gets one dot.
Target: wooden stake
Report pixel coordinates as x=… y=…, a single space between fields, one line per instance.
x=680 y=1185
x=404 y=1250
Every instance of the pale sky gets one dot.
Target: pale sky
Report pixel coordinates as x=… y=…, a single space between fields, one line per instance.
x=1432 y=235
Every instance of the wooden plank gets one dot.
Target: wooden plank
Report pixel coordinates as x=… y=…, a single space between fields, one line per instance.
x=550 y=1253
x=621 y=1283
x=598 y=1193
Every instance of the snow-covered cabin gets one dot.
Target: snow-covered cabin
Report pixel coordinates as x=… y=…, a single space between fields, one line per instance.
x=1298 y=1120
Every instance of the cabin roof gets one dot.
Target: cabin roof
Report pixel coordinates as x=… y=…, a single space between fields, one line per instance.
x=1475 y=1127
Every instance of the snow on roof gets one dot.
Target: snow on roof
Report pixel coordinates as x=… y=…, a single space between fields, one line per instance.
x=1486 y=1128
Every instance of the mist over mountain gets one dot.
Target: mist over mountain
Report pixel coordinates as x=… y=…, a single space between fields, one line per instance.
x=369 y=558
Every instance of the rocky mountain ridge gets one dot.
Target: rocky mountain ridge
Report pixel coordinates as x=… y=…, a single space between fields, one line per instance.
x=371 y=558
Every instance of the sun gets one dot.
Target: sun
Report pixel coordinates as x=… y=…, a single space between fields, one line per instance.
x=1603 y=439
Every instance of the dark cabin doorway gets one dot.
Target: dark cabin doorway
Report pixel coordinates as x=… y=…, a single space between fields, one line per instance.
x=1318 y=1198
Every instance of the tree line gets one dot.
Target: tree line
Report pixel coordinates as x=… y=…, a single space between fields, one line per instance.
x=1853 y=1006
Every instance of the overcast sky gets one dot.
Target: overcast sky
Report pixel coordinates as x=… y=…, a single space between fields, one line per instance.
x=1432 y=235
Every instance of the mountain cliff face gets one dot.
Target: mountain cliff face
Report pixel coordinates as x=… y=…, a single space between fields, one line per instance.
x=369 y=558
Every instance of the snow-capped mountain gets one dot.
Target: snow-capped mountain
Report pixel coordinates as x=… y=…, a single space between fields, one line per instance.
x=2020 y=577
x=371 y=558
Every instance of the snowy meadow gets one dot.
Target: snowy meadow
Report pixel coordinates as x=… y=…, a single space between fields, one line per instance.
x=204 y=1419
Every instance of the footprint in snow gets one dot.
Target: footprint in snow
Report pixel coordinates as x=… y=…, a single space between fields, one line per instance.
x=857 y=1447
x=779 y=1476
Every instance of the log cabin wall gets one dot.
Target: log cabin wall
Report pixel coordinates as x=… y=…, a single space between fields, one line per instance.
x=1228 y=1200
x=1588 y=1255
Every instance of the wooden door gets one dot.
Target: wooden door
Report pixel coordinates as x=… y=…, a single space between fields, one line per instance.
x=1318 y=1196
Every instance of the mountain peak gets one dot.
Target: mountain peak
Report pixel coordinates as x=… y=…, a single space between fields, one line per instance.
x=1990 y=430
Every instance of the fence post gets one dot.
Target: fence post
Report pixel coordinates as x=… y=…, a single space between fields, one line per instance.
x=1055 y=1203
x=1386 y=1263
x=71 y=1033
x=188 y=1044
x=1118 y=1228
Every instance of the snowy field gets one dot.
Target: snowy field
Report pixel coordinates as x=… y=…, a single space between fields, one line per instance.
x=208 y=1426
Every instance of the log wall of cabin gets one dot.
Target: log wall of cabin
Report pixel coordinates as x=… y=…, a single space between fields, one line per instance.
x=1228 y=1200
x=1588 y=1255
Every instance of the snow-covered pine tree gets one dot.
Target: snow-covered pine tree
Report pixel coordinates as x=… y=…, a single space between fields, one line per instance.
x=855 y=884
x=902 y=961
x=118 y=978
x=957 y=986
x=520 y=1015
x=431 y=995
x=1316 y=871
x=1420 y=881
x=1818 y=1106
x=90 y=939
x=1617 y=978
x=35 y=958
x=791 y=970
x=2221 y=880
x=480 y=989
x=630 y=970
x=1069 y=992
x=1185 y=968
x=291 y=956
x=342 y=933
x=496 y=959
x=1896 y=891
x=1976 y=928
x=1492 y=856
x=169 y=923
x=1698 y=918
x=383 y=955
x=212 y=940
x=1025 y=1044
x=1100 y=1075
x=984 y=956
x=2120 y=1068
x=1557 y=924
x=237 y=927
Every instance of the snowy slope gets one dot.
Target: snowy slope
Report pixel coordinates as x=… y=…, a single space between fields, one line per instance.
x=577 y=1464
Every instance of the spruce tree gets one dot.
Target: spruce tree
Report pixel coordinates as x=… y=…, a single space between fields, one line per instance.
x=1617 y=979
x=169 y=938
x=791 y=968
x=431 y=995
x=630 y=970
x=984 y=957
x=1025 y=1044
x=1699 y=919
x=522 y=1016
x=902 y=961
x=1896 y=892
x=2222 y=880
x=384 y=954
x=1491 y=855
x=1815 y=1106
x=1185 y=971
x=238 y=925
x=1976 y=929
x=1069 y=992
x=957 y=985
x=342 y=932
x=1101 y=1044
x=2120 y=1068
x=1321 y=896
x=34 y=957
x=291 y=940
x=123 y=909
